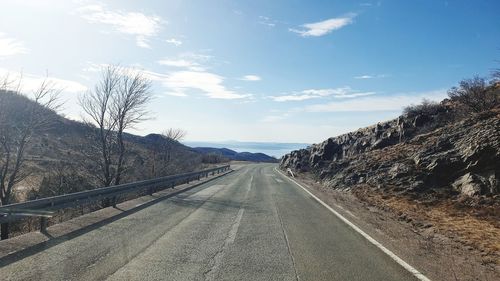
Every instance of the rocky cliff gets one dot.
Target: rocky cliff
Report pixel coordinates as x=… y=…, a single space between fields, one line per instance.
x=422 y=153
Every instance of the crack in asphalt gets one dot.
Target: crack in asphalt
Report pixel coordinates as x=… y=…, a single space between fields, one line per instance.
x=288 y=245
x=216 y=261
x=150 y=244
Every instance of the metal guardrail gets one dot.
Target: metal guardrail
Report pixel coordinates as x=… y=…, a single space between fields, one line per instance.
x=44 y=207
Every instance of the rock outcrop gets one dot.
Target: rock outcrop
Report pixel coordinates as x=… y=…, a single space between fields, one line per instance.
x=410 y=154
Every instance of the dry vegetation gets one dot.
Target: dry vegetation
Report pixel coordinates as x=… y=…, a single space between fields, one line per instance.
x=460 y=220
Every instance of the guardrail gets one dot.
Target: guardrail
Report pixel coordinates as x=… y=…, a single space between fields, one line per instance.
x=44 y=207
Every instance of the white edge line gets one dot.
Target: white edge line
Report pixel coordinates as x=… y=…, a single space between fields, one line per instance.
x=397 y=259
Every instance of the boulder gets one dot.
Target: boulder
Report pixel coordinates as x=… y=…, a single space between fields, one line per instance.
x=399 y=170
x=421 y=120
x=470 y=185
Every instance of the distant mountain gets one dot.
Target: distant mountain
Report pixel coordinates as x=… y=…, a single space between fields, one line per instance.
x=275 y=149
x=238 y=156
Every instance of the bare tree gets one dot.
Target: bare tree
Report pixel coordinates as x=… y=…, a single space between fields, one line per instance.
x=129 y=108
x=172 y=135
x=162 y=150
x=117 y=103
x=19 y=122
x=474 y=94
x=97 y=105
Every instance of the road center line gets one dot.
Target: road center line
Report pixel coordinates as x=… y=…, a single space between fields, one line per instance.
x=397 y=259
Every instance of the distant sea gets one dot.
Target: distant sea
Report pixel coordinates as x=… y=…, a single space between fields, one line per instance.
x=275 y=149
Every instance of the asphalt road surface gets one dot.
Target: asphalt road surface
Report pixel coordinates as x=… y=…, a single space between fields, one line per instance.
x=252 y=224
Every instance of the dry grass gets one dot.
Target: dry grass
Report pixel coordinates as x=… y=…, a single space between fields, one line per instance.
x=473 y=227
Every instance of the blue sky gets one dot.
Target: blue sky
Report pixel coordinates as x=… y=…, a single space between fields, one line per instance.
x=289 y=71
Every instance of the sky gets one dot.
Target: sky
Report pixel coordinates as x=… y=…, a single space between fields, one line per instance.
x=256 y=70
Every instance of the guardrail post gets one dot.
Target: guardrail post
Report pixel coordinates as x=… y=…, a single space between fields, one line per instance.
x=114 y=201
x=43 y=224
x=5 y=231
x=106 y=203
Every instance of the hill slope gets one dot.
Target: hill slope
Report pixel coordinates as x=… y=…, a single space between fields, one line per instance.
x=62 y=152
x=237 y=156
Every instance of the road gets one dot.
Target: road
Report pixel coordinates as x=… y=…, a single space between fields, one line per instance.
x=252 y=224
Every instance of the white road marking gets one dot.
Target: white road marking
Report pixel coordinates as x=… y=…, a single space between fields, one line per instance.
x=397 y=259
x=211 y=274
x=236 y=225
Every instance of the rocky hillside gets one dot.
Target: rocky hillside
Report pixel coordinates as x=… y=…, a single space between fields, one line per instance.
x=411 y=154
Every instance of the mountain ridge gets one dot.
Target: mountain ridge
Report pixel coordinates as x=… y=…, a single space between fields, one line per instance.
x=236 y=156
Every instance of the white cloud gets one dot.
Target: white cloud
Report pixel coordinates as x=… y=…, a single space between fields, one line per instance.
x=338 y=93
x=209 y=83
x=10 y=46
x=31 y=82
x=370 y=76
x=194 y=76
x=137 y=24
x=179 y=83
x=267 y=21
x=380 y=103
x=179 y=63
x=142 y=42
x=251 y=77
x=191 y=61
x=324 y=27
x=174 y=41
x=364 y=77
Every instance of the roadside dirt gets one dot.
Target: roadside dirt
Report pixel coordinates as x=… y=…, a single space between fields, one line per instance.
x=439 y=240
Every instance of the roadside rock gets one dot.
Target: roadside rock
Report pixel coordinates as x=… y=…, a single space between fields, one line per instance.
x=409 y=155
x=470 y=184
